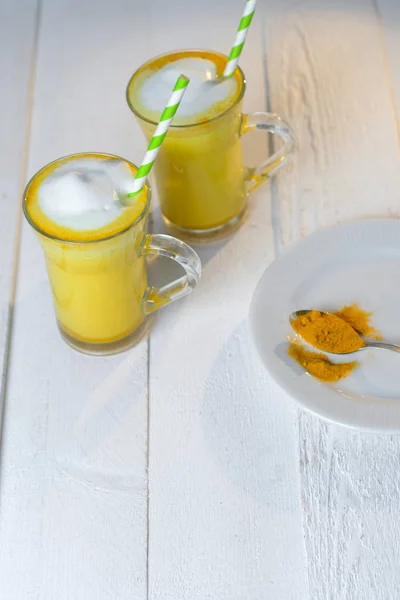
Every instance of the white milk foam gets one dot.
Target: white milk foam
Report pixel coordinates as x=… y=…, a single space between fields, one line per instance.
x=85 y=193
x=199 y=97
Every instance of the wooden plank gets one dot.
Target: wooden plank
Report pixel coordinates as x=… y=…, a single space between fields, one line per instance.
x=16 y=76
x=225 y=518
x=327 y=74
x=388 y=14
x=74 y=481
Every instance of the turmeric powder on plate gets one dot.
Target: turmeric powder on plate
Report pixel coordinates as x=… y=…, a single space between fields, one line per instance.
x=359 y=319
x=319 y=366
x=330 y=333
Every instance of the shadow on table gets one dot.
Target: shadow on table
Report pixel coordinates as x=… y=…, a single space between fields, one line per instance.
x=248 y=429
x=163 y=270
x=84 y=416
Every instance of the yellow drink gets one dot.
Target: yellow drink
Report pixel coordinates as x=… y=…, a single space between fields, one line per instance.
x=201 y=180
x=98 y=276
x=199 y=169
x=98 y=288
x=202 y=173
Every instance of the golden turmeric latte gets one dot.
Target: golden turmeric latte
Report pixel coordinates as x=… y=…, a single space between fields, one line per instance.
x=319 y=366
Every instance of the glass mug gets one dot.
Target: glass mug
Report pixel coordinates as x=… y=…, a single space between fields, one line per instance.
x=101 y=296
x=201 y=180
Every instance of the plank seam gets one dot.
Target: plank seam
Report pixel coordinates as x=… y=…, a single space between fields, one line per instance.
x=275 y=213
x=147 y=472
x=18 y=221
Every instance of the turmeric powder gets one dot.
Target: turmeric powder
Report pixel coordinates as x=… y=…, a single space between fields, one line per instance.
x=319 y=366
x=359 y=319
x=327 y=332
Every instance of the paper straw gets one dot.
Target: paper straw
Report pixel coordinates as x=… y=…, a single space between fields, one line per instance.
x=159 y=135
x=240 y=38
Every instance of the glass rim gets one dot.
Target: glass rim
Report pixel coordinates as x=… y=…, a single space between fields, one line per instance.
x=50 y=236
x=187 y=125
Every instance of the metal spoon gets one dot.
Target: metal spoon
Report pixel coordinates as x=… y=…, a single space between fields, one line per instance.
x=367 y=343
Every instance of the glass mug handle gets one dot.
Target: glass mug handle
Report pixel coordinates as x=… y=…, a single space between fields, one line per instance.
x=184 y=255
x=270 y=123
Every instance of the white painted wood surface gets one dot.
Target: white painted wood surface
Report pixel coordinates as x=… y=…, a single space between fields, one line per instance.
x=178 y=470
x=18 y=45
x=327 y=69
x=74 y=492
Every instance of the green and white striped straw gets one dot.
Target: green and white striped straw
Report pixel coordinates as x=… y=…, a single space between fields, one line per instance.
x=244 y=25
x=154 y=147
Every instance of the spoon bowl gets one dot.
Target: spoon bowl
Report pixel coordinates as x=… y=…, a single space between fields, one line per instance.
x=366 y=343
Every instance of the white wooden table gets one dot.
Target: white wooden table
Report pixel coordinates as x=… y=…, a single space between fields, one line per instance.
x=178 y=470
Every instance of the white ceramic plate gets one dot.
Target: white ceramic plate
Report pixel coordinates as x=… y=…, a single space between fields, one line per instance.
x=354 y=262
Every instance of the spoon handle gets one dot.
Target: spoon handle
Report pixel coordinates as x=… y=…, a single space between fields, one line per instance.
x=383 y=346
